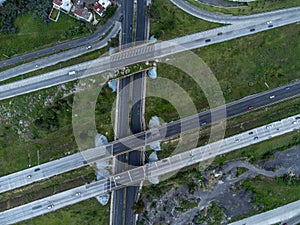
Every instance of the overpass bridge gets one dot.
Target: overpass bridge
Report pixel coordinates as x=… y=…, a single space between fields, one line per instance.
x=150 y=170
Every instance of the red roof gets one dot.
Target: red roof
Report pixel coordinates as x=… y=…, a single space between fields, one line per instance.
x=99 y=8
x=57 y=2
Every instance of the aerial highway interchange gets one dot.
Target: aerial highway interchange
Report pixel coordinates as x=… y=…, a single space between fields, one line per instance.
x=126 y=143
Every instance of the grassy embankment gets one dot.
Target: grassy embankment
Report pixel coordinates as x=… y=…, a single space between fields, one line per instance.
x=258 y=6
x=33 y=34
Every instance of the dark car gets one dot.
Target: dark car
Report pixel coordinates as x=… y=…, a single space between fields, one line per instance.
x=220 y=33
x=270 y=25
x=207 y=40
x=203 y=123
x=251 y=132
x=36 y=169
x=130 y=27
x=251 y=30
x=121 y=18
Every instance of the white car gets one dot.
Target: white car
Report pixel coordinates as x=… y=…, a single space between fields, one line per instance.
x=272 y=96
x=77 y=193
x=88 y=47
x=50 y=206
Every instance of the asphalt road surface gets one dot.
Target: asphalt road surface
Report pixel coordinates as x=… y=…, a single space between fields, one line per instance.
x=122 y=115
x=89 y=40
x=157 y=169
x=142 y=53
x=120 y=146
x=136 y=157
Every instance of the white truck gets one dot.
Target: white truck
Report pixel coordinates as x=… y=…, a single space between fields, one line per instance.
x=72 y=73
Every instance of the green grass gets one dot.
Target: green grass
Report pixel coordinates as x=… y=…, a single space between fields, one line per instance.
x=167 y=21
x=45 y=188
x=271 y=193
x=241 y=66
x=85 y=57
x=239 y=124
x=88 y=212
x=263 y=150
x=33 y=34
x=214 y=215
x=257 y=6
x=54 y=13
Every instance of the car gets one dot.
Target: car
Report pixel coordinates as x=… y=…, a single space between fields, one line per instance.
x=251 y=132
x=203 y=123
x=287 y=88
x=88 y=47
x=37 y=66
x=269 y=126
x=270 y=25
x=251 y=30
x=269 y=22
x=130 y=27
x=255 y=138
x=29 y=176
x=121 y=18
x=272 y=96
x=297 y=118
x=77 y=193
x=37 y=169
x=237 y=140
x=250 y=107
x=294 y=122
x=285 y=224
x=50 y=206
x=207 y=40
x=220 y=33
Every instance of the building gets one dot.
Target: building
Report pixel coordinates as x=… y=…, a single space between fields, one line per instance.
x=63 y=5
x=101 y=5
x=82 y=13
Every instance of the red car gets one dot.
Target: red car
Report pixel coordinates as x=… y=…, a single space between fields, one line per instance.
x=251 y=132
x=250 y=107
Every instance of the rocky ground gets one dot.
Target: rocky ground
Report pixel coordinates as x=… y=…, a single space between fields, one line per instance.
x=219 y=192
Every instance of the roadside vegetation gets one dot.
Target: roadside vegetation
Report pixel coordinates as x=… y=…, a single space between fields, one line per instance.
x=243 y=66
x=167 y=21
x=88 y=212
x=242 y=123
x=45 y=188
x=271 y=193
x=257 y=6
x=33 y=34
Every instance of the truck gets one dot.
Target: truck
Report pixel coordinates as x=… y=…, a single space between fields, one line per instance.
x=72 y=72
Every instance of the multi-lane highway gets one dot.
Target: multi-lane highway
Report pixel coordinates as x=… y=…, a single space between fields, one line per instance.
x=150 y=170
x=136 y=157
x=59 y=57
x=147 y=52
x=172 y=129
x=89 y=40
x=122 y=115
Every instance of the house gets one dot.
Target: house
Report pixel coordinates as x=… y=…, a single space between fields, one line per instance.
x=63 y=5
x=83 y=14
x=101 y=5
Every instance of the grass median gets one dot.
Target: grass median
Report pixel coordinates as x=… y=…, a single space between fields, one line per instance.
x=243 y=66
